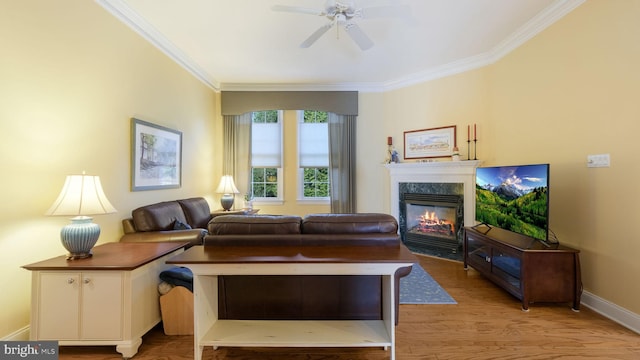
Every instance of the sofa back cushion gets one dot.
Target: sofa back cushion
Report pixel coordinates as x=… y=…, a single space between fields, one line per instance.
x=196 y=211
x=349 y=223
x=158 y=217
x=254 y=225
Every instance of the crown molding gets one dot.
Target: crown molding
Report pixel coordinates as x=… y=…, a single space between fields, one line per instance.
x=132 y=19
x=533 y=27
x=363 y=87
x=537 y=24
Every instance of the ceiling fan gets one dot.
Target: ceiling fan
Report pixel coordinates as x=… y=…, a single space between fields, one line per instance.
x=343 y=14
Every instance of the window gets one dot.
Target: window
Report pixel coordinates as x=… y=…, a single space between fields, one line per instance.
x=313 y=155
x=264 y=182
x=266 y=155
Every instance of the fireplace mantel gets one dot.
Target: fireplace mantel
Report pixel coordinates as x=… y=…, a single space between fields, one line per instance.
x=436 y=172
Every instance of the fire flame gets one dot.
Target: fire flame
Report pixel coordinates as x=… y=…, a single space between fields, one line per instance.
x=429 y=219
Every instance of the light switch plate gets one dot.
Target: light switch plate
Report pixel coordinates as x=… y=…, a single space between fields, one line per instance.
x=600 y=160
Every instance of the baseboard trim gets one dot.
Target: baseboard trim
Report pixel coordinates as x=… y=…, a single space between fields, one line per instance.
x=19 y=335
x=611 y=311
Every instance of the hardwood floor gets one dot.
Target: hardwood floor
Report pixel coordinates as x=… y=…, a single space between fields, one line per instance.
x=487 y=323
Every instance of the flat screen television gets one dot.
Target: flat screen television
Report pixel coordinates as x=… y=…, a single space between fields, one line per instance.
x=514 y=198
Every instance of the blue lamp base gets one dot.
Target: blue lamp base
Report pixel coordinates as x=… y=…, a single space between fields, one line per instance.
x=79 y=237
x=226 y=201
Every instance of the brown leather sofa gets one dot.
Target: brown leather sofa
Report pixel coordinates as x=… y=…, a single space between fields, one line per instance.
x=179 y=220
x=303 y=297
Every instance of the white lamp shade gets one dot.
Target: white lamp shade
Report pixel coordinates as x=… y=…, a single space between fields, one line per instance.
x=81 y=195
x=227 y=186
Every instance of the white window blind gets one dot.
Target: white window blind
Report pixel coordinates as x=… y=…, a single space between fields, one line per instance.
x=266 y=145
x=314 y=145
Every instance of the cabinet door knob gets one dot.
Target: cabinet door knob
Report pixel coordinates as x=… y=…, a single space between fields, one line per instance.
x=70 y=280
x=86 y=280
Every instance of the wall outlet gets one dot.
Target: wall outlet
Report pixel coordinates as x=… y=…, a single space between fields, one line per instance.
x=600 y=160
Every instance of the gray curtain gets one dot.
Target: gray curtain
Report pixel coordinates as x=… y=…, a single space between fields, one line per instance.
x=237 y=150
x=342 y=162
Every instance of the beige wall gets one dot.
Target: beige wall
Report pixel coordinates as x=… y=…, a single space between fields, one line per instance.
x=72 y=76
x=569 y=92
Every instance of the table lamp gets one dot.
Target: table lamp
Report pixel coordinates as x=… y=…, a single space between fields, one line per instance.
x=81 y=195
x=228 y=190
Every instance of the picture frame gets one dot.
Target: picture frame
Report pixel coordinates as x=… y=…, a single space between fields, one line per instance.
x=156 y=156
x=430 y=143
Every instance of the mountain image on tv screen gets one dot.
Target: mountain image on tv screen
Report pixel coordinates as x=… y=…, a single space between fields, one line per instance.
x=514 y=198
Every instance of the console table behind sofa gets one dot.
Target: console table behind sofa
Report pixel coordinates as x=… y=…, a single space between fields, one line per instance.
x=209 y=263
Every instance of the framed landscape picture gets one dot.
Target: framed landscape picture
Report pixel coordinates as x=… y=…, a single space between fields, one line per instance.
x=156 y=156
x=429 y=143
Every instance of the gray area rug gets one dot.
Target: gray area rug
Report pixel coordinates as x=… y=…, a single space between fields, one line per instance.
x=419 y=288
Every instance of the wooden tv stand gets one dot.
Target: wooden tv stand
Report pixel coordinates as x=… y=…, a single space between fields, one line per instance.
x=524 y=266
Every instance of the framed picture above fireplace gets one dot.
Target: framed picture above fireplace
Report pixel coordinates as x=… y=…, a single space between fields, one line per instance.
x=429 y=143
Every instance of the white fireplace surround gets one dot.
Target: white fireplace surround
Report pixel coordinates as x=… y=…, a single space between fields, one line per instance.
x=436 y=172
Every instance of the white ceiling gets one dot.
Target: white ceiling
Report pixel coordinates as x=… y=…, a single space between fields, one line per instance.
x=244 y=44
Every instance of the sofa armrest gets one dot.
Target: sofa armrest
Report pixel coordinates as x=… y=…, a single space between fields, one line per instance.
x=193 y=236
x=128 y=226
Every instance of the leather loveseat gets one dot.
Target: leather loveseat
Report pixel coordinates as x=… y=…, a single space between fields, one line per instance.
x=179 y=220
x=303 y=297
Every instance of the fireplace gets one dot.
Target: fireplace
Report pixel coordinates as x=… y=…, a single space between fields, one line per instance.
x=446 y=183
x=432 y=221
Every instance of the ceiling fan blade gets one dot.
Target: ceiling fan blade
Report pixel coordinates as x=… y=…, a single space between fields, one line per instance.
x=316 y=35
x=358 y=35
x=376 y=12
x=298 y=9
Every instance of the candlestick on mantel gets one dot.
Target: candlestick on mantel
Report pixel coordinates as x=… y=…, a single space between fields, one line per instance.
x=475 y=149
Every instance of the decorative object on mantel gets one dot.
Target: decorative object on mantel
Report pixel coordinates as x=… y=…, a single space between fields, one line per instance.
x=456 y=154
x=81 y=195
x=392 y=153
x=228 y=190
x=475 y=142
x=430 y=143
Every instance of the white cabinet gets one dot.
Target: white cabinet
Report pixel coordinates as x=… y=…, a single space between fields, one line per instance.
x=109 y=299
x=80 y=305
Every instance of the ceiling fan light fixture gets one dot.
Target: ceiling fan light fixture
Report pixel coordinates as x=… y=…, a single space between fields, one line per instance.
x=342 y=12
